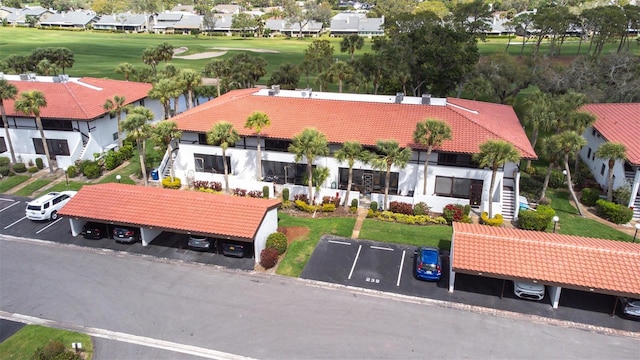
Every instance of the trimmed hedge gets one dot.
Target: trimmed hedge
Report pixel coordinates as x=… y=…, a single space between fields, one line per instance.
x=590 y=196
x=495 y=221
x=401 y=208
x=285 y=194
x=72 y=171
x=4 y=161
x=33 y=169
x=19 y=167
x=328 y=207
x=5 y=170
x=92 y=170
x=265 y=192
x=302 y=205
x=616 y=213
x=39 y=163
x=354 y=203
x=168 y=184
x=421 y=208
x=268 y=258
x=278 y=241
x=538 y=219
x=406 y=219
x=374 y=206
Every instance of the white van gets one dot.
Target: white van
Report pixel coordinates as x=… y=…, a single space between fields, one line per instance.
x=46 y=206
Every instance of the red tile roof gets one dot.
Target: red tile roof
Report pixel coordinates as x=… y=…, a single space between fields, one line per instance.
x=606 y=266
x=619 y=123
x=472 y=122
x=74 y=101
x=172 y=210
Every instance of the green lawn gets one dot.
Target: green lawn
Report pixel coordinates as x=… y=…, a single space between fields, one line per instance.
x=430 y=235
x=25 y=342
x=62 y=186
x=33 y=187
x=9 y=182
x=299 y=251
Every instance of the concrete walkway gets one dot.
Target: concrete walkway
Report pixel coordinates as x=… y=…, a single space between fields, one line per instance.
x=362 y=214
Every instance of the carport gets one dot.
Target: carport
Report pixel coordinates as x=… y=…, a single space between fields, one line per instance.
x=558 y=261
x=155 y=210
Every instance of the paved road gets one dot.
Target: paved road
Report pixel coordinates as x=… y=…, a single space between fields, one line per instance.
x=262 y=316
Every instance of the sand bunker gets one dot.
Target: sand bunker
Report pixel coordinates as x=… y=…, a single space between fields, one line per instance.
x=212 y=54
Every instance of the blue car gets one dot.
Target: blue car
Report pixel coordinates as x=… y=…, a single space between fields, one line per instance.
x=428 y=264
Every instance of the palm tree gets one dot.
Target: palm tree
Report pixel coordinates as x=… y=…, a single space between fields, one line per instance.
x=30 y=103
x=190 y=78
x=430 y=132
x=115 y=107
x=125 y=69
x=493 y=154
x=218 y=69
x=350 y=152
x=550 y=148
x=390 y=154
x=340 y=71
x=539 y=115
x=350 y=43
x=613 y=152
x=137 y=128
x=162 y=133
x=309 y=144
x=257 y=121
x=571 y=142
x=8 y=91
x=163 y=91
x=224 y=135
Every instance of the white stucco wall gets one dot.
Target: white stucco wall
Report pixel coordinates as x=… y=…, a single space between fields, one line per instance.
x=595 y=164
x=268 y=226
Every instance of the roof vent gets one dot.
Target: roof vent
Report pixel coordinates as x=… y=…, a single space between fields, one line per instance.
x=56 y=79
x=426 y=99
x=275 y=89
x=399 y=97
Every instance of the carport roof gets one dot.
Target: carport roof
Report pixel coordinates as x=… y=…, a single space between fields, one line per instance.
x=171 y=210
x=599 y=265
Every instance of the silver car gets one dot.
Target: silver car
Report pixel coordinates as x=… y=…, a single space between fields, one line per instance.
x=528 y=290
x=202 y=243
x=630 y=308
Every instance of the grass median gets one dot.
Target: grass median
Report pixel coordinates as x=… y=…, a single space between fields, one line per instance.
x=24 y=343
x=9 y=182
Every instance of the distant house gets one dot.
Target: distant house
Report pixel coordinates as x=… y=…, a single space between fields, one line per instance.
x=284 y=27
x=81 y=19
x=123 y=22
x=22 y=17
x=618 y=123
x=221 y=23
x=227 y=9
x=356 y=23
x=75 y=123
x=176 y=23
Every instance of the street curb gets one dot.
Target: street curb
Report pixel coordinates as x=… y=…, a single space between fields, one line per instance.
x=354 y=290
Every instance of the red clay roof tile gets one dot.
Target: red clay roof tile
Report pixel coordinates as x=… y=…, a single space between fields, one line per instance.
x=619 y=123
x=173 y=210
x=472 y=122
x=74 y=101
x=573 y=261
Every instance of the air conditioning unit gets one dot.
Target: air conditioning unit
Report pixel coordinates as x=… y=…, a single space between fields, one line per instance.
x=63 y=77
x=426 y=99
x=56 y=79
x=24 y=77
x=399 y=97
x=272 y=92
x=275 y=89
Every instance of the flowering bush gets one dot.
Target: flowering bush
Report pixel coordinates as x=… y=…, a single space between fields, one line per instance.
x=453 y=212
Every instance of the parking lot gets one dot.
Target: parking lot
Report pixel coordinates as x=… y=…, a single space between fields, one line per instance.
x=167 y=245
x=389 y=268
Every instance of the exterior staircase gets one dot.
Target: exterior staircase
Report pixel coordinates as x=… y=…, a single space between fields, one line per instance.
x=630 y=175
x=508 y=203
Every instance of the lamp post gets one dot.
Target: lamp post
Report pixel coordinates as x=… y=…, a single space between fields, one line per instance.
x=636 y=233
x=555 y=223
x=66 y=177
x=118 y=177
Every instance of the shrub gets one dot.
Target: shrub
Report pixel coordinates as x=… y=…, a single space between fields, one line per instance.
x=207 y=185
x=268 y=258
x=5 y=170
x=301 y=197
x=54 y=349
x=265 y=192
x=590 y=196
x=19 y=167
x=622 y=195
x=285 y=194
x=556 y=179
x=530 y=170
x=495 y=221
x=530 y=185
x=126 y=152
x=33 y=169
x=72 y=171
x=92 y=171
x=354 y=203
x=328 y=207
x=39 y=163
x=168 y=184
x=374 y=206
x=278 y=241
x=353 y=209
x=331 y=200
x=401 y=208
x=467 y=210
x=453 y=212
x=538 y=219
x=81 y=164
x=304 y=206
x=421 y=208
x=255 y=194
x=616 y=213
x=544 y=201
x=4 y=161
x=112 y=160
x=239 y=192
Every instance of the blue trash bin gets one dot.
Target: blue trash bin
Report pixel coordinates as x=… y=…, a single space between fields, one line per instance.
x=154 y=175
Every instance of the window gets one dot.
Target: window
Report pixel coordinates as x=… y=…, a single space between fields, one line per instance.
x=211 y=163
x=202 y=139
x=56 y=147
x=456 y=187
x=115 y=136
x=588 y=153
x=593 y=132
x=276 y=145
x=284 y=172
x=64 y=125
x=602 y=169
x=463 y=160
x=3 y=145
x=368 y=181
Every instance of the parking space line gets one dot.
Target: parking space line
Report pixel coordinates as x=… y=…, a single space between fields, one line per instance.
x=15 y=222
x=339 y=242
x=15 y=203
x=354 y=262
x=3 y=199
x=48 y=226
x=401 y=266
x=380 y=248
